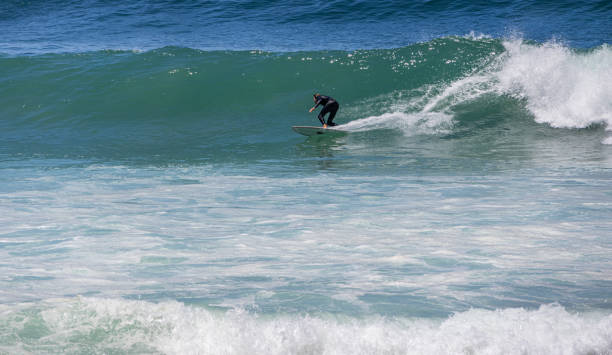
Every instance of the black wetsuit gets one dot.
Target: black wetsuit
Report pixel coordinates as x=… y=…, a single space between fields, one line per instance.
x=329 y=105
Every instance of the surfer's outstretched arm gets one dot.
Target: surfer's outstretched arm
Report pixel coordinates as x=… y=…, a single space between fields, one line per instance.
x=315 y=106
x=317 y=100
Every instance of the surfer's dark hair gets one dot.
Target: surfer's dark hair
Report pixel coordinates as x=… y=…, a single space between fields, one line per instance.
x=316 y=95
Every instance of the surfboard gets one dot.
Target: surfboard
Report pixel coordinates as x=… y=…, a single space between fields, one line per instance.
x=313 y=131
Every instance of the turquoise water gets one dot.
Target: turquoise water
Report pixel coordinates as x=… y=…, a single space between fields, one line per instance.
x=154 y=199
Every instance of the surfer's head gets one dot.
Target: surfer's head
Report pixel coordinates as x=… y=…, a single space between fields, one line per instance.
x=316 y=96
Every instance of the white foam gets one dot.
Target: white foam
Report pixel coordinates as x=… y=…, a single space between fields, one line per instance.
x=563 y=88
x=409 y=123
x=174 y=328
x=430 y=113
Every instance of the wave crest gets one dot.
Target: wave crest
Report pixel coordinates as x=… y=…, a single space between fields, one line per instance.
x=563 y=88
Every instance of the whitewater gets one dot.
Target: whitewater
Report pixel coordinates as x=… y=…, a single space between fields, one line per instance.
x=567 y=90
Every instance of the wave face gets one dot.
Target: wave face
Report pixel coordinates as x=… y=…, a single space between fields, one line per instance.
x=189 y=104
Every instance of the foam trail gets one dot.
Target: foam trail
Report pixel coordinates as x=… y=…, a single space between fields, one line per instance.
x=430 y=113
x=462 y=90
x=412 y=116
x=408 y=123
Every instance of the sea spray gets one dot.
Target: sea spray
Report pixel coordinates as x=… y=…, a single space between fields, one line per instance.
x=563 y=87
x=560 y=87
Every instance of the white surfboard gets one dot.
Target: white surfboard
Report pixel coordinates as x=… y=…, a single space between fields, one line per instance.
x=313 y=131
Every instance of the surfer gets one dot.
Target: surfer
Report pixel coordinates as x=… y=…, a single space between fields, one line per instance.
x=329 y=105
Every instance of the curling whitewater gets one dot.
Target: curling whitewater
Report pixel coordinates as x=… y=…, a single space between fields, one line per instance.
x=121 y=326
x=558 y=86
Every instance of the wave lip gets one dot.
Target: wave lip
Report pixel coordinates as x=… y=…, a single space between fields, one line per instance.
x=563 y=88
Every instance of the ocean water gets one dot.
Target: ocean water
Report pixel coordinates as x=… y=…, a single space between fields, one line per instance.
x=154 y=199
